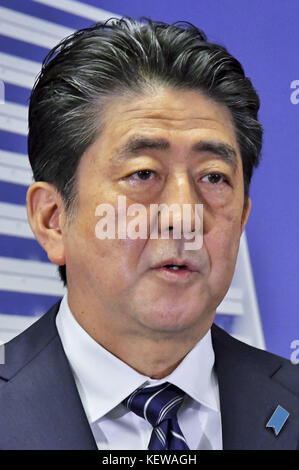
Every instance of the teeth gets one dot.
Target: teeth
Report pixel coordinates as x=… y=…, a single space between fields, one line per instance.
x=174 y=267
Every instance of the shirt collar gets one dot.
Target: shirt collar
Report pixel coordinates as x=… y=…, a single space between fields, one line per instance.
x=103 y=380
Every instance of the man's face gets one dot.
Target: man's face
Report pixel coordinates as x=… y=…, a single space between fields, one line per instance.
x=164 y=132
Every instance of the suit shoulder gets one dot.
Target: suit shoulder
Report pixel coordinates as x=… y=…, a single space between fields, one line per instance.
x=254 y=357
x=24 y=347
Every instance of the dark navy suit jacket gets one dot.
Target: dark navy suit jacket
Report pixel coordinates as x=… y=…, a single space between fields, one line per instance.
x=40 y=407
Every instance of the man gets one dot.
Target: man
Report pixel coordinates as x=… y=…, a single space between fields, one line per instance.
x=152 y=114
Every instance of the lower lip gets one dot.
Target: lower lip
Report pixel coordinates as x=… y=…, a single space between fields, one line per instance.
x=175 y=275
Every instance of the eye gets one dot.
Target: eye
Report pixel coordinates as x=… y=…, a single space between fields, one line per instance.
x=216 y=178
x=142 y=175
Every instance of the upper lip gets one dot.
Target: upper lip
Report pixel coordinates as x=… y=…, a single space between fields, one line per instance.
x=177 y=262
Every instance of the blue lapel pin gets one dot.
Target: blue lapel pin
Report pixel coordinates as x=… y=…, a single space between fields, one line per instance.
x=278 y=419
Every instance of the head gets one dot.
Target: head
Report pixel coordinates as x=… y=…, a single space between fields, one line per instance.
x=119 y=98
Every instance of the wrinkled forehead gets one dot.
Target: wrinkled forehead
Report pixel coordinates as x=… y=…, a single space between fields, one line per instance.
x=167 y=108
x=167 y=119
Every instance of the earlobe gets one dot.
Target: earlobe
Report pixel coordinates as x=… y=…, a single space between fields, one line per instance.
x=45 y=212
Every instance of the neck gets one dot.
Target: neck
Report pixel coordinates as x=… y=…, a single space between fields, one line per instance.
x=153 y=353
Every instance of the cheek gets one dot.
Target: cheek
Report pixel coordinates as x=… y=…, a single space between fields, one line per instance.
x=222 y=247
x=222 y=242
x=112 y=262
x=120 y=257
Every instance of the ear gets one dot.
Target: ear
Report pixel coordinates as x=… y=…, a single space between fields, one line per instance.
x=45 y=211
x=245 y=215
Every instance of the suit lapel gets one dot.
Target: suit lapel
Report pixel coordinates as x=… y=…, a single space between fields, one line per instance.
x=40 y=407
x=249 y=395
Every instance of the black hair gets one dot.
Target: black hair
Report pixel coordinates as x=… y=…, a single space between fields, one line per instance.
x=94 y=64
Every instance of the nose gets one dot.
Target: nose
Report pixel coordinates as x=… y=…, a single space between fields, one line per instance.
x=181 y=201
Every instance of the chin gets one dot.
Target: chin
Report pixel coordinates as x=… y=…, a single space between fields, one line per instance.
x=172 y=320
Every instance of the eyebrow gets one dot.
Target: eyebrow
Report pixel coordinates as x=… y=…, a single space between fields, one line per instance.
x=135 y=145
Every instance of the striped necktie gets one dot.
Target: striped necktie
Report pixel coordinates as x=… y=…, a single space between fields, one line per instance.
x=159 y=406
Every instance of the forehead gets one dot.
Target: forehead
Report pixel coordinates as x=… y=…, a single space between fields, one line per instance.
x=180 y=114
x=172 y=125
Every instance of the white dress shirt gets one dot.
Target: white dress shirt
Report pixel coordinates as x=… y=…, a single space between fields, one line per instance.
x=103 y=381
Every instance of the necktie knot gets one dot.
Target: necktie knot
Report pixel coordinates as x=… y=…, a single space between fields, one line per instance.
x=156 y=404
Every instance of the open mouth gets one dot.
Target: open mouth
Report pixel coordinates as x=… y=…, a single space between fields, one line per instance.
x=175 y=272
x=175 y=267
